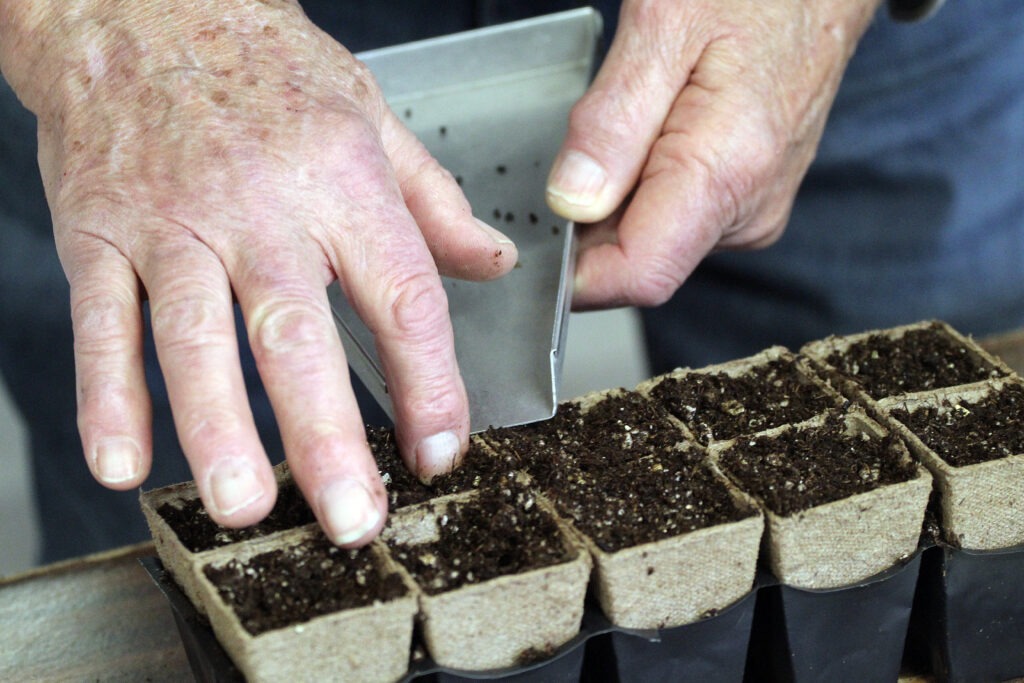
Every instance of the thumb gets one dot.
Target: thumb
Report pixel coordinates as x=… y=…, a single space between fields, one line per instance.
x=614 y=125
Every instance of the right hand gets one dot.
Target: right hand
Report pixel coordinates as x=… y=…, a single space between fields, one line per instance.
x=203 y=150
x=696 y=135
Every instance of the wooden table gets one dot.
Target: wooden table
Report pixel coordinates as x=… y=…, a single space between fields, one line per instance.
x=99 y=618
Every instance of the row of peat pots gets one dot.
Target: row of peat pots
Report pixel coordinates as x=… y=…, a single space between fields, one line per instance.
x=854 y=511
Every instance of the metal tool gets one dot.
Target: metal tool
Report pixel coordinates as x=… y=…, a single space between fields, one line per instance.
x=492 y=106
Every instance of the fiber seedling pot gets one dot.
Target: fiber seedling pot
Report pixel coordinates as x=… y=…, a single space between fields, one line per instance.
x=678 y=580
x=972 y=440
x=722 y=402
x=902 y=360
x=931 y=383
x=283 y=608
x=844 y=505
x=501 y=582
x=842 y=498
x=671 y=541
x=184 y=533
x=969 y=611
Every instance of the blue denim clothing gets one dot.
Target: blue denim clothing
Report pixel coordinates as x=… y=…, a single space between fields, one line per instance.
x=912 y=210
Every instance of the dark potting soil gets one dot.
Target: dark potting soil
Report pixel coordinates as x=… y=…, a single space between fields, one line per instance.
x=293 y=585
x=803 y=468
x=617 y=472
x=964 y=433
x=497 y=533
x=920 y=360
x=479 y=468
x=717 y=407
x=198 y=532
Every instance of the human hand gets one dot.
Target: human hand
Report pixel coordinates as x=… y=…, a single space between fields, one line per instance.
x=695 y=136
x=193 y=152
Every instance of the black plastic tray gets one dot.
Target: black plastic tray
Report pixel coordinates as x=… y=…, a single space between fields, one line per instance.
x=855 y=633
x=968 y=622
x=956 y=614
x=712 y=649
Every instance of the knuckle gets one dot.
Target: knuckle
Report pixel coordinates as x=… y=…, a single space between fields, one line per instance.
x=608 y=117
x=103 y=323
x=211 y=427
x=318 y=443
x=646 y=12
x=419 y=307
x=656 y=25
x=101 y=397
x=188 y=323
x=290 y=327
x=655 y=280
x=434 y=400
x=101 y=392
x=760 y=161
x=720 y=182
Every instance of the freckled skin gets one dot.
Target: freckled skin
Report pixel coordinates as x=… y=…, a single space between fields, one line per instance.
x=203 y=151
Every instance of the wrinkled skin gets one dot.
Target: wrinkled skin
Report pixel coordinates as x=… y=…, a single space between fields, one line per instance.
x=232 y=149
x=695 y=136
x=199 y=152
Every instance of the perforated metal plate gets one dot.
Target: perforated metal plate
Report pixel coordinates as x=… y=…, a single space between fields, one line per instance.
x=492 y=106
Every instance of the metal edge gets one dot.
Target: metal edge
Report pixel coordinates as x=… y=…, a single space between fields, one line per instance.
x=488 y=32
x=562 y=311
x=360 y=359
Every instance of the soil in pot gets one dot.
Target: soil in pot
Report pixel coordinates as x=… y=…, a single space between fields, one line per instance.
x=479 y=468
x=716 y=406
x=295 y=584
x=966 y=433
x=617 y=471
x=804 y=468
x=198 y=532
x=919 y=360
x=496 y=533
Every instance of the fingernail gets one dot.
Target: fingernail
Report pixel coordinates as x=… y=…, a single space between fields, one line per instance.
x=436 y=455
x=117 y=459
x=578 y=284
x=348 y=511
x=234 y=486
x=498 y=236
x=577 y=179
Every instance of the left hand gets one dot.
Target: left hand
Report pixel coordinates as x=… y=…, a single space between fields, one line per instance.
x=695 y=136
